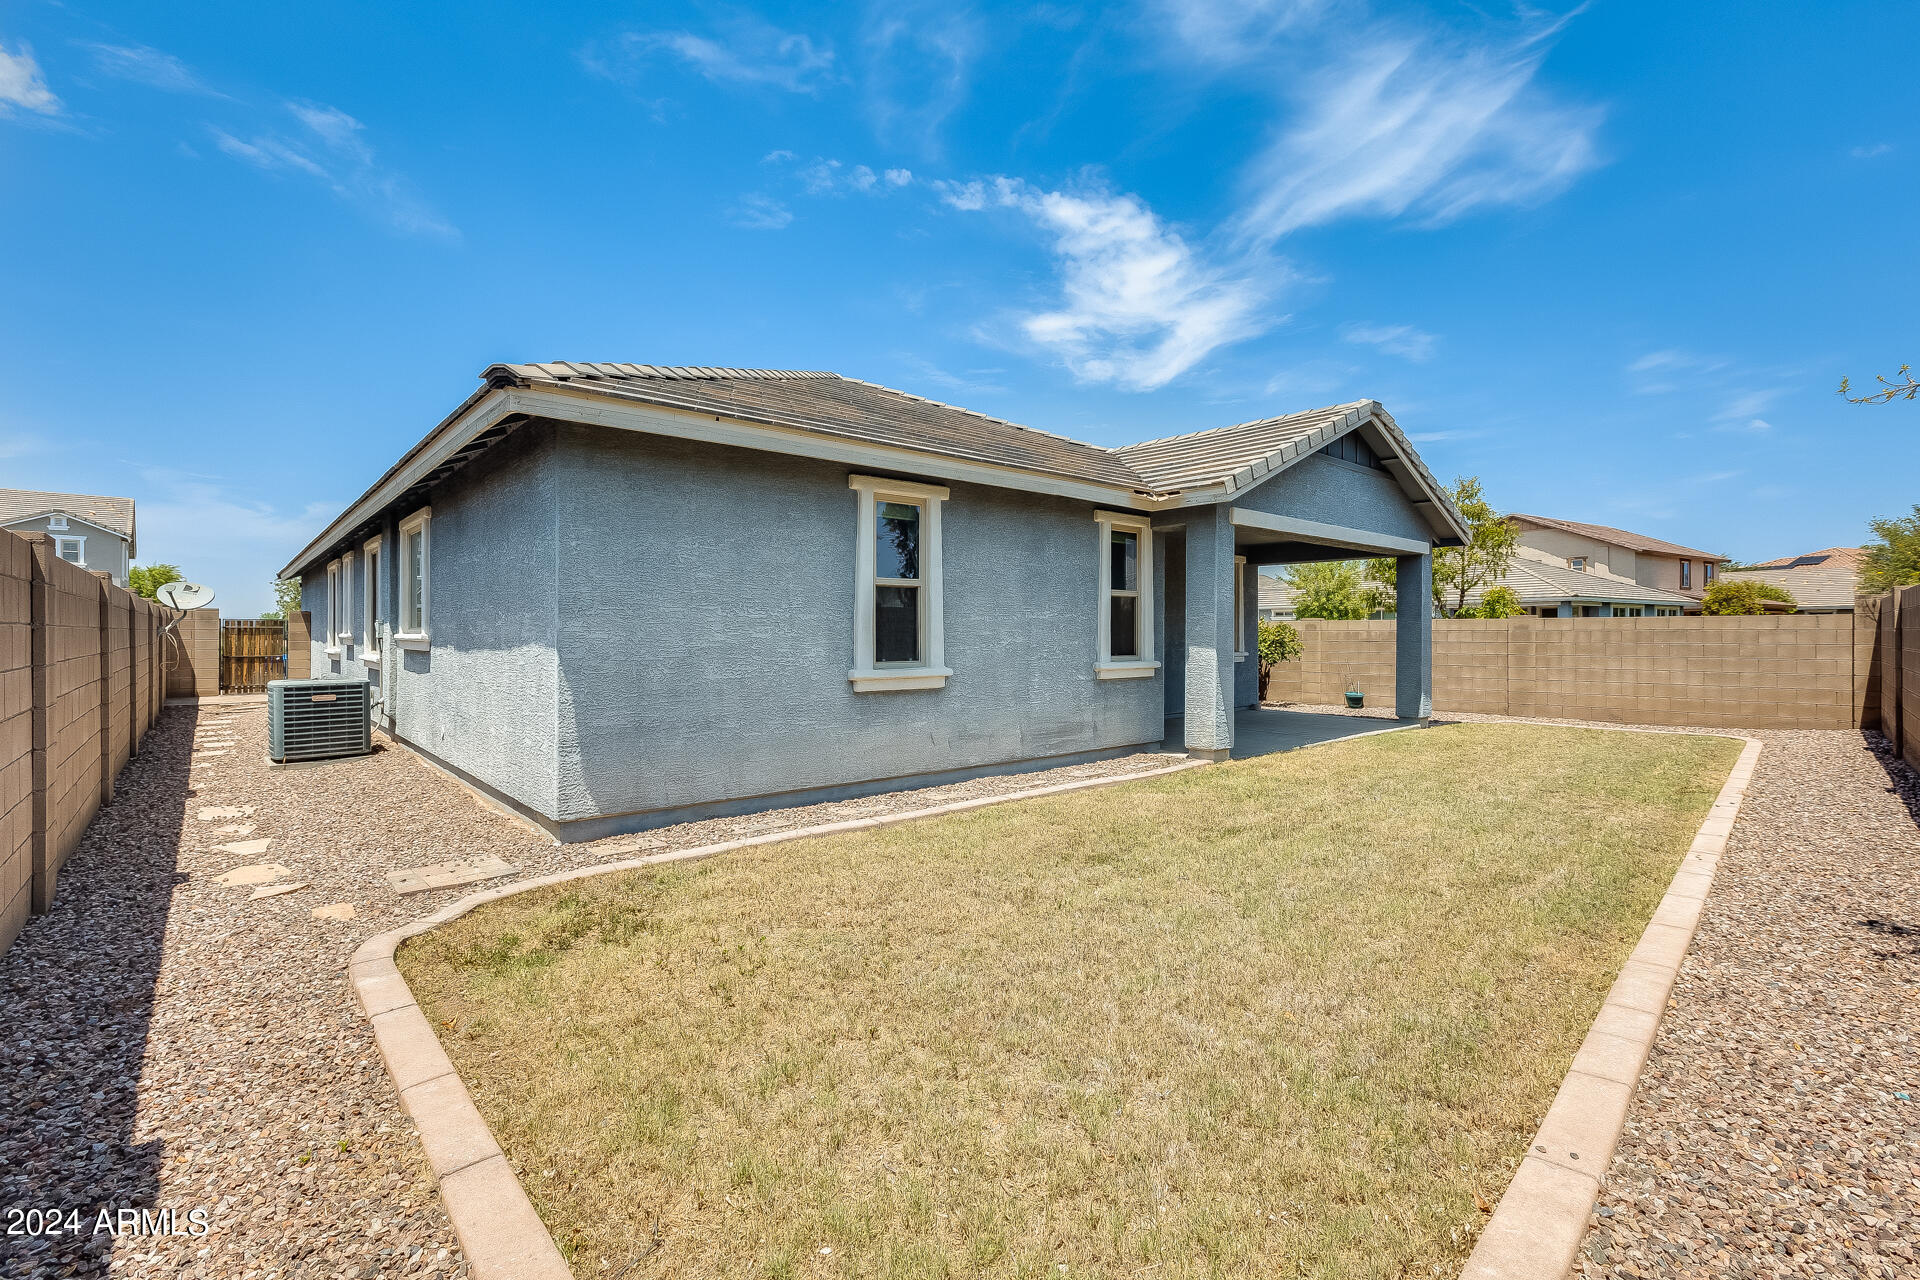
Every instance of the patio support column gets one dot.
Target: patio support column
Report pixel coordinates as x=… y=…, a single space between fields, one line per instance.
x=1413 y=638
x=1208 y=720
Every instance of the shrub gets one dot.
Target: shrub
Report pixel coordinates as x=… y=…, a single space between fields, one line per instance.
x=1498 y=602
x=1742 y=596
x=1279 y=642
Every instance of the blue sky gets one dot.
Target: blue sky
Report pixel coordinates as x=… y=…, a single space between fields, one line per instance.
x=1613 y=260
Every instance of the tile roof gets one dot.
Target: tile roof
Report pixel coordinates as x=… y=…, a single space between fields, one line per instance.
x=1619 y=537
x=1815 y=581
x=1836 y=555
x=837 y=406
x=109 y=513
x=1537 y=583
x=826 y=404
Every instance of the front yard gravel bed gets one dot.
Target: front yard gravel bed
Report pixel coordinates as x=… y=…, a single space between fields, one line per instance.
x=1776 y=1127
x=167 y=1042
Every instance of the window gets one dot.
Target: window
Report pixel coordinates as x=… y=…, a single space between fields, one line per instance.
x=1124 y=627
x=335 y=609
x=1707 y=567
x=1626 y=611
x=56 y=524
x=1686 y=575
x=898 y=631
x=370 y=599
x=1239 y=608
x=416 y=574
x=72 y=550
x=1577 y=562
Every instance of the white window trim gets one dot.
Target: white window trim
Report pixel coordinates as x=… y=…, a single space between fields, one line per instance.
x=373 y=563
x=56 y=524
x=932 y=673
x=421 y=639
x=1239 y=609
x=79 y=541
x=334 y=579
x=1106 y=666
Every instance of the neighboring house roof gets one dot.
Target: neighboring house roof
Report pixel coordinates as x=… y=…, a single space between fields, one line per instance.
x=1275 y=593
x=112 y=514
x=1212 y=465
x=1618 y=537
x=1826 y=579
x=1536 y=582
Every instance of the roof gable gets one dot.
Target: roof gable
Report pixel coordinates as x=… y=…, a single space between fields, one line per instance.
x=1617 y=537
x=115 y=515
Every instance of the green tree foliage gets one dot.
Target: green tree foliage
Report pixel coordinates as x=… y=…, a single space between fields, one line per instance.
x=1491 y=541
x=286 y=598
x=1893 y=558
x=145 y=580
x=1737 y=596
x=1900 y=387
x=1334 y=589
x=1498 y=602
x=1279 y=642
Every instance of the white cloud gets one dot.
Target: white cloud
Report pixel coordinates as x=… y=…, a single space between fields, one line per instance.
x=234 y=545
x=1422 y=126
x=1746 y=404
x=1665 y=371
x=22 y=86
x=919 y=61
x=1754 y=425
x=1435 y=437
x=151 y=67
x=757 y=212
x=1235 y=31
x=747 y=51
x=898 y=177
x=1394 y=339
x=333 y=149
x=1139 y=305
x=1870 y=151
x=827 y=177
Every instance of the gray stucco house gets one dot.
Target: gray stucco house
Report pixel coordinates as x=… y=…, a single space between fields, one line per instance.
x=617 y=596
x=91 y=530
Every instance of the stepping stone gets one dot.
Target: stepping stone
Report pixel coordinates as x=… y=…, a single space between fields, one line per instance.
x=333 y=911
x=275 y=890
x=214 y=812
x=445 y=875
x=254 y=873
x=235 y=829
x=246 y=848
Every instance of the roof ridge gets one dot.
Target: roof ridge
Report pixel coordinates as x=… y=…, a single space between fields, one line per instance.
x=614 y=370
x=1251 y=422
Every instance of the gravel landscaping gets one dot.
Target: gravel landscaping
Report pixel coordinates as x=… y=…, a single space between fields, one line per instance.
x=170 y=1042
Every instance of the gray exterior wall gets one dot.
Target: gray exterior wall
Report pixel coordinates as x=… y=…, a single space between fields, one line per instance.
x=1335 y=491
x=105 y=550
x=706 y=607
x=483 y=700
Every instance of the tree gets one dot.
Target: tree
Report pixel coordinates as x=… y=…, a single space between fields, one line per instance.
x=146 y=580
x=1893 y=560
x=286 y=598
x=1333 y=589
x=1496 y=602
x=1737 y=596
x=1279 y=642
x=1491 y=541
x=1904 y=389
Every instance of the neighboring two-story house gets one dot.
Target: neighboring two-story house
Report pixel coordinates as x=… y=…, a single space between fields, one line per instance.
x=1651 y=562
x=93 y=532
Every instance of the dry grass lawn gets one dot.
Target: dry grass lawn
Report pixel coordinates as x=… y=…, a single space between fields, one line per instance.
x=1286 y=1016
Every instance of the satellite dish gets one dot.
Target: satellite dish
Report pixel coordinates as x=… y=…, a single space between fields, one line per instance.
x=184 y=595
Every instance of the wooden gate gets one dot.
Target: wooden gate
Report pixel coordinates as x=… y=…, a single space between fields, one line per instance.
x=252 y=652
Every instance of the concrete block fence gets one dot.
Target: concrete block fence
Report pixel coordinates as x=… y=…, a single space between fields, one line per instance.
x=81 y=682
x=1777 y=671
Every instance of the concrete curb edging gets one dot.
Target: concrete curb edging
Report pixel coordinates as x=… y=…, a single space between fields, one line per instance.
x=498 y=1228
x=1536 y=1229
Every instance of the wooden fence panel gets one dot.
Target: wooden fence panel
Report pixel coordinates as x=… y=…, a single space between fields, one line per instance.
x=252 y=652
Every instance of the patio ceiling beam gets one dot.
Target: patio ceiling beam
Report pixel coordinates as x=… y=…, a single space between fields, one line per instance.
x=1332 y=535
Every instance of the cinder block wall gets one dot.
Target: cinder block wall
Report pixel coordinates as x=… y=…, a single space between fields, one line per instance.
x=79 y=686
x=1780 y=671
x=193 y=663
x=1909 y=660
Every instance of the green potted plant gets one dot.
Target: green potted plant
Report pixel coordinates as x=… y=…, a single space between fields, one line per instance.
x=1355 y=698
